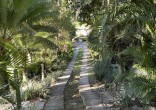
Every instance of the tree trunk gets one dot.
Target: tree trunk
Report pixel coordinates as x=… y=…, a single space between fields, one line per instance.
x=18 y=93
x=108 y=3
x=25 y=78
x=42 y=71
x=29 y=57
x=58 y=3
x=77 y=14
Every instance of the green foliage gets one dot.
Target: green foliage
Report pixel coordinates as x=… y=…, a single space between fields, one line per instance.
x=34 y=89
x=30 y=108
x=11 y=98
x=125 y=29
x=80 y=54
x=33 y=69
x=139 y=83
x=105 y=71
x=29 y=32
x=101 y=69
x=78 y=60
x=126 y=101
x=59 y=63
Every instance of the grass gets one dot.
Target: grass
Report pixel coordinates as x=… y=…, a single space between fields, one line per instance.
x=73 y=100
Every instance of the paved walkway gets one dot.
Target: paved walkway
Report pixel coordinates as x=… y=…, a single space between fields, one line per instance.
x=56 y=102
x=91 y=101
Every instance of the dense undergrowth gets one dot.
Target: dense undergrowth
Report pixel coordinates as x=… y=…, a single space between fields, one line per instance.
x=122 y=44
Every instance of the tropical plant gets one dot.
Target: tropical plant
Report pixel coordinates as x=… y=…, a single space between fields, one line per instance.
x=101 y=69
x=124 y=31
x=18 y=20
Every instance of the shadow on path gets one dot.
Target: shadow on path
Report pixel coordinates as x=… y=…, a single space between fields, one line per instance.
x=91 y=101
x=56 y=102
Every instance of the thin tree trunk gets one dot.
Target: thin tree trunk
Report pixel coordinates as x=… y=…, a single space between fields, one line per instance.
x=29 y=57
x=25 y=78
x=77 y=14
x=4 y=33
x=58 y=3
x=108 y=3
x=18 y=93
x=42 y=71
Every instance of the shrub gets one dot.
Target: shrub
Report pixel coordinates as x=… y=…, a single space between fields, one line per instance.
x=33 y=69
x=140 y=83
x=34 y=89
x=104 y=70
x=101 y=69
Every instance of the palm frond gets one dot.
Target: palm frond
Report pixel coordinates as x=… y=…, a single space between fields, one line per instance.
x=53 y=14
x=46 y=43
x=45 y=28
x=3 y=12
x=144 y=87
x=36 y=9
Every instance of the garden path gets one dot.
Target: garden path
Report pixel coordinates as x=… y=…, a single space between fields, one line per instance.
x=56 y=101
x=91 y=101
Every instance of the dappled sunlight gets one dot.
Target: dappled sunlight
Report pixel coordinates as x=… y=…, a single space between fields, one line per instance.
x=90 y=99
x=60 y=83
x=84 y=59
x=96 y=107
x=108 y=105
x=84 y=88
x=64 y=77
x=56 y=97
x=84 y=65
x=84 y=74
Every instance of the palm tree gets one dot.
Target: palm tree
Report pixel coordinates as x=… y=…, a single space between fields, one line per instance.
x=18 y=13
x=14 y=15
